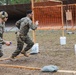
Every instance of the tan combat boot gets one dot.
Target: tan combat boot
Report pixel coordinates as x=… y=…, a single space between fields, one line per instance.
x=24 y=53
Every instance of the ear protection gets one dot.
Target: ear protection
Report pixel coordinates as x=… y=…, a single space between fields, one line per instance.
x=3 y=14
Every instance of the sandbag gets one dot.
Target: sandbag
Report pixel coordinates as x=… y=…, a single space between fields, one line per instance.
x=50 y=68
x=35 y=49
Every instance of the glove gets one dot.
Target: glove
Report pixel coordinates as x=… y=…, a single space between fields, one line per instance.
x=37 y=23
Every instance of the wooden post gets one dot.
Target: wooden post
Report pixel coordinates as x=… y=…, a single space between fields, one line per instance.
x=71 y=19
x=62 y=20
x=34 y=37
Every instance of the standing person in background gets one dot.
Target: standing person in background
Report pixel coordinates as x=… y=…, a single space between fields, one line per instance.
x=3 y=19
x=24 y=24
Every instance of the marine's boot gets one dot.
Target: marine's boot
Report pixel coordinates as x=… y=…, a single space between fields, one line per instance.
x=24 y=53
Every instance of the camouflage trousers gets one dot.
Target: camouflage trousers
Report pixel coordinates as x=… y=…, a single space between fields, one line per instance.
x=1 y=52
x=20 y=43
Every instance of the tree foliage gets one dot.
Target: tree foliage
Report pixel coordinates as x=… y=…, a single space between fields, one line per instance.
x=14 y=1
x=20 y=1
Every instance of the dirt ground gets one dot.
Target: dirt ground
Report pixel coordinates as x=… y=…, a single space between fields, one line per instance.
x=51 y=53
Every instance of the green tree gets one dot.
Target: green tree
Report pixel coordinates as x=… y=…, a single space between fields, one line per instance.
x=20 y=1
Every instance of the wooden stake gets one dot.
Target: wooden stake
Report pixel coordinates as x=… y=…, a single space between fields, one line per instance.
x=21 y=67
x=1 y=59
x=34 y=68
x=67 y=71
x=34 y=37
x=15 y=57
x=62 y=20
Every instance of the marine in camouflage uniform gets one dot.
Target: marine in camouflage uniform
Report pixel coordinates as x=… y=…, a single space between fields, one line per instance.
x=3 y=19
x=24 y=25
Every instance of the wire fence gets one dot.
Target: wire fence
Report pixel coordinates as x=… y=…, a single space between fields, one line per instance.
x=55 y=17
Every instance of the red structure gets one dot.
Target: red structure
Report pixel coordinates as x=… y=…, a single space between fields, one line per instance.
x=48 y=14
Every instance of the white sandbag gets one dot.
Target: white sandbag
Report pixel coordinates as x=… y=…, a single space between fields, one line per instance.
x=50 y=68
x=62 y=40
x=35 y=48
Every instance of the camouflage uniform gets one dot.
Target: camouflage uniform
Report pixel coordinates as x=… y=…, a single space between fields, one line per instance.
x=22 y=36
x=2 y=25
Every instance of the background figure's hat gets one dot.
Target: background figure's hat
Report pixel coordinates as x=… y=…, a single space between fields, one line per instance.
x=28 y=11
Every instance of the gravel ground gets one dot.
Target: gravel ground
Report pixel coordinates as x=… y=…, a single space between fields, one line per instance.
x=51 y=53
